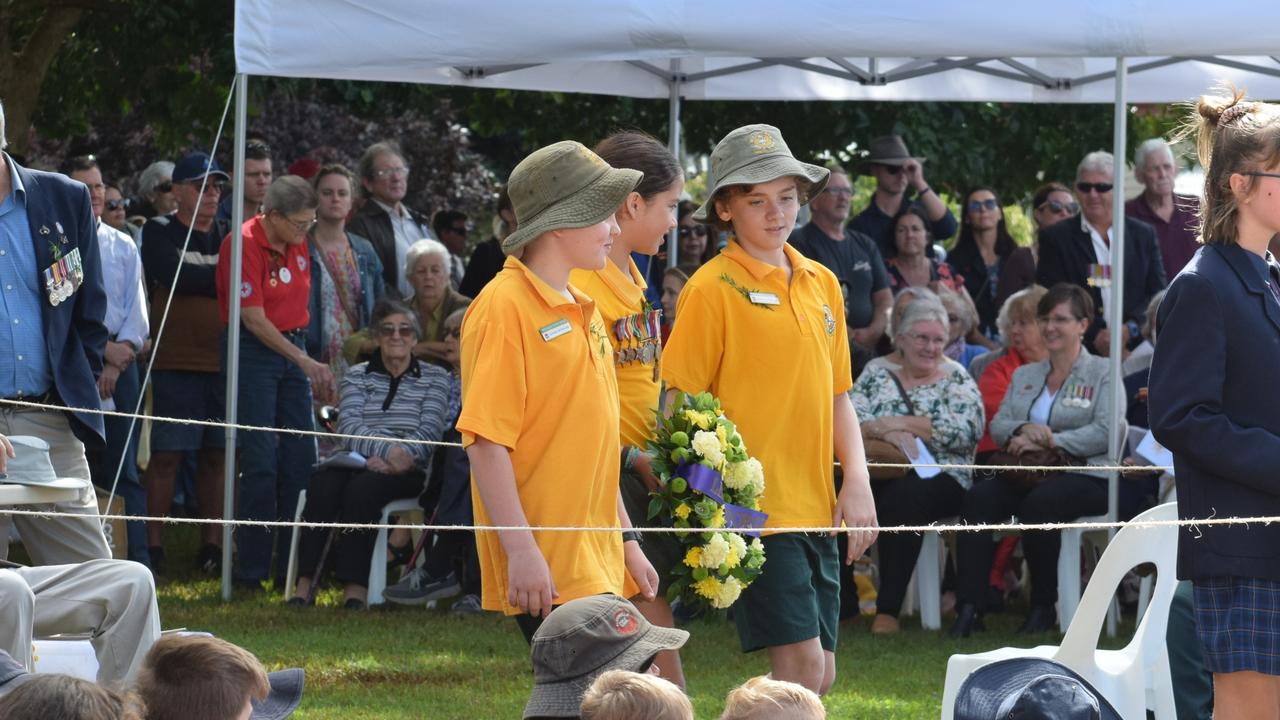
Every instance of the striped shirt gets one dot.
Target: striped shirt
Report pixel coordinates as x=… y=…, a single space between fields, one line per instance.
x=418 y=405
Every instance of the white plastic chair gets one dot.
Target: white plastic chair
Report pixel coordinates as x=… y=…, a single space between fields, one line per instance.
x=1133 y=678
x=927 y=580
x=67 y=656
x=378 y=564
x=1069 y=572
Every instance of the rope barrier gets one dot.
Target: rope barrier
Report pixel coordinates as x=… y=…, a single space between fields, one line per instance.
x=957 y=527
x=437 y=443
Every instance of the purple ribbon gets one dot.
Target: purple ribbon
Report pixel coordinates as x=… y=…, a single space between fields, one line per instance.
x=745 y=519
x=703 y=479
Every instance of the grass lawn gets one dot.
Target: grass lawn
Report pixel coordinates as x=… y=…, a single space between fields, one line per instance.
x=417 y=663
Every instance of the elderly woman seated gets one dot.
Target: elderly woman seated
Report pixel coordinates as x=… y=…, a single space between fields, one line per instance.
x=1059 y=407
x=392 y=395
x=426 y=266
x=920 y=398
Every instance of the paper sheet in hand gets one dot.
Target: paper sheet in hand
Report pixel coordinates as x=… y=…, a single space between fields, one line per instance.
x=344 y=460
x=924 y=457
x=1156 y=453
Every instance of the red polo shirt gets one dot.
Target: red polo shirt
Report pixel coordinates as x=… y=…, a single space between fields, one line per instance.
x=279 y=283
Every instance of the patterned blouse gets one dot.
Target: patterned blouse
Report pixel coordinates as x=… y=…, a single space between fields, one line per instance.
x=340 y=294
x=953 y=404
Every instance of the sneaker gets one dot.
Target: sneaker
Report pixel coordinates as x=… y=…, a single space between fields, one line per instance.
x=209 y=559
x=418 y=587
x=468 y=604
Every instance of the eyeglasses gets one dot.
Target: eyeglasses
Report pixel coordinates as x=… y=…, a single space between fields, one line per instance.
x=697 y=230
x=300 y=225
x=1100 y=188
x=1260 y=174
x=1056 y=320
x=925 y=340
x=1060 y=208
x=988 y=204
x=389 y=330
x=838 y=191
x=164 y=187
x=396 y=172
x=121 y=204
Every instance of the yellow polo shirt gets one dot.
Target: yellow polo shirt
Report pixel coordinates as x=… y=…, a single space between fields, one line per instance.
x=776 y=355
x=620 y=296
x=537 y=378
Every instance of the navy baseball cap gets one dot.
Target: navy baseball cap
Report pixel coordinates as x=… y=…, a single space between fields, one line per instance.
x=195 y=166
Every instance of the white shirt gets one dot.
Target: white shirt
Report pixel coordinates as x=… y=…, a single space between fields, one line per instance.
x=126 y=317
x=407 y=233
x=1039 y=414
x=1102 y=251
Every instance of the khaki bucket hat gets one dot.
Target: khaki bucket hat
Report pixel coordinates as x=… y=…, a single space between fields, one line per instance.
x=564 y=185
x=752 y=155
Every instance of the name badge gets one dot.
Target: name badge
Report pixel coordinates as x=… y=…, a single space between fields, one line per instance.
x=555 y=330
x=764 y=298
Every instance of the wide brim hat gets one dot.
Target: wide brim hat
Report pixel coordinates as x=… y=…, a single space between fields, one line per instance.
x=581 y=636
x=1040 y=685
x=283 y=698
x=31 y=466
x=887 y=150
x=755 y=154
x=564 y=186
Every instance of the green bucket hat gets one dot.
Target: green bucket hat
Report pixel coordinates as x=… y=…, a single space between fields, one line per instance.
x=564 y=185
x=752 y=155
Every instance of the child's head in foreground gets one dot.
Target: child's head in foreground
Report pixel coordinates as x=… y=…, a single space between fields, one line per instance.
x=763 y=698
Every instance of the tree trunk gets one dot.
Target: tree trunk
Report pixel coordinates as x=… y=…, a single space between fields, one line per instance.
x=22 y=71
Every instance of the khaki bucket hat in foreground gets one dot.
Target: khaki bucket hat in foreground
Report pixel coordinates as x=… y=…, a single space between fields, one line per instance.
x=752 y=155
x=564 y=185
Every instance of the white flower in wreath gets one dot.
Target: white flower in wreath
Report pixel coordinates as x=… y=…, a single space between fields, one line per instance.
x=715 y=552
x=707 y=445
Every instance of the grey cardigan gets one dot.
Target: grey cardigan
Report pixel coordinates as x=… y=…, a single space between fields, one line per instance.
x=1081 y=431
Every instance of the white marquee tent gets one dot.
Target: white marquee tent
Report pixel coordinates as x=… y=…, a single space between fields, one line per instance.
x=1095 y=51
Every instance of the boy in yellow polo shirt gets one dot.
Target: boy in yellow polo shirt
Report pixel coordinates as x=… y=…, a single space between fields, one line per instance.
x=763 y=329
x=635 y=330
x=540 y=400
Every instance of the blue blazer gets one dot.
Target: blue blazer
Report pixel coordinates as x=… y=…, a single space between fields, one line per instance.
x=74 y=332
x=1215 y=403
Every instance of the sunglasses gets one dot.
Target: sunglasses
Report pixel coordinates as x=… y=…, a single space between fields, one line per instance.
x=1060 y=208
x=890 y=169
x=696 y=230
x=988 y=204
x=164 y=187
x=120 y=204
x=1100 y=188
x=392 y=330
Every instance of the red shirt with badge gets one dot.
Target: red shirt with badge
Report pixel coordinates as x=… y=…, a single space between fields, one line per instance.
x=278 y=283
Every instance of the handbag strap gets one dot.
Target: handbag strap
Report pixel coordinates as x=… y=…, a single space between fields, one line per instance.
x=902 y=391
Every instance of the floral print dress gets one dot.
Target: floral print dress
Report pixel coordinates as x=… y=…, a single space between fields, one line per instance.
x=339 y=291
x=953 y=404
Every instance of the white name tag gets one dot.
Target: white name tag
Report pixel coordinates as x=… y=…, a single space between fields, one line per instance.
x=555 y=329
x=764 y=298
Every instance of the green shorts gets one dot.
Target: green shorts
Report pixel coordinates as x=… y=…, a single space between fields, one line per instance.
x=796 y=598
x=661 y=549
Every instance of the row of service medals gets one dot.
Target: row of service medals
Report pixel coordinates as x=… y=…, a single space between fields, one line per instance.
x=639 y=339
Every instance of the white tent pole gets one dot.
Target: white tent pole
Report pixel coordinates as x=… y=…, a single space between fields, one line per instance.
x=673 y=144
x=1115 y=321
x=233 y=329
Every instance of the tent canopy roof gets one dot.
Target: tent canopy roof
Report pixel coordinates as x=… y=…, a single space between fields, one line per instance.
x=1000 y=50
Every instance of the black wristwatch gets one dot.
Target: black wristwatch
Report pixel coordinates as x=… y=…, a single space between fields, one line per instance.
x=629 y=535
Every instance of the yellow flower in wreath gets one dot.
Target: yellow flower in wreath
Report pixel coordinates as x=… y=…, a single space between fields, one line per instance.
x=693 y=558
x=681 y=511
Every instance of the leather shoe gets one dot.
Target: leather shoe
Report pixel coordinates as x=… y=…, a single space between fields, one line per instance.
x=884 y=625
x=1042 y=618
x=968 y=621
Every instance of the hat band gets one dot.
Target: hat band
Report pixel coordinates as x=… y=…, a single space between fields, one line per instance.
x=752 y=160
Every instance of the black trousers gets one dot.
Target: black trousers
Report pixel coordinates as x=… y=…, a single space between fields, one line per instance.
x=348 y=496
x=1061 y=497
x=908 y=500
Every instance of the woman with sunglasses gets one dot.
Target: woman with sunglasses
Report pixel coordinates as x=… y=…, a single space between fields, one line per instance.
x=1051 y=204
x=392 y=395
x=992 y=264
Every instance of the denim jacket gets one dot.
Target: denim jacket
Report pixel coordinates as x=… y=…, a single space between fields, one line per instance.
x=371 y=290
